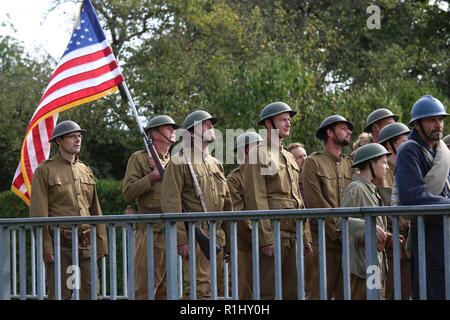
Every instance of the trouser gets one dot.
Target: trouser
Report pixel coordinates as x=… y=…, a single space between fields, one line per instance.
x=245 y=274
x=358 y=287
x=405 y=270
x=203 y=275
x=159 y=268
x=68 y=275
x=288 y=270
x=434 y=253
x=334 y=273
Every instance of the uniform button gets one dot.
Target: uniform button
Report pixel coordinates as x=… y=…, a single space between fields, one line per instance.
x=342 y=190
x=75 y=178
x=340 y=176
x=215 y=202
x=78 y=193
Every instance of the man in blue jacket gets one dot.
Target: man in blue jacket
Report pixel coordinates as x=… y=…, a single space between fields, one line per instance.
x=422 y=177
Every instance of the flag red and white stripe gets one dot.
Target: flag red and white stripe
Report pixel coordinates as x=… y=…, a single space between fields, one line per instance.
x=87 y=71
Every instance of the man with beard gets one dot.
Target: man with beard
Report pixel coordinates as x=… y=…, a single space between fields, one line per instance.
x=422 y=177
x=326 y=174
x=273 y=183
x=188 y=169
x=142 y=182
x=65 y=186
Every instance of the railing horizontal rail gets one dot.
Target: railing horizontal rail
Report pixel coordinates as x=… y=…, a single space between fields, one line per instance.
x=422 y=210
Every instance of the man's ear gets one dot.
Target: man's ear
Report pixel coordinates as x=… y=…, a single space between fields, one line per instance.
x=268 y=124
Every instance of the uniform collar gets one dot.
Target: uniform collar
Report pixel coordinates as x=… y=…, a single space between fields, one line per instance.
x=60 y=158
x=332 y=156
x=369 y=184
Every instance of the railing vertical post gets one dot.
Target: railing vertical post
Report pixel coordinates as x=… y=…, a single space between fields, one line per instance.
x=150 y=263
x=5 y=264
x=33 y=263
x=112 y=262
x=130 y=260
x=75 y=265
x=277 y=260
x=396 y=258
x=192 y=262
x=125 y=266
x=234 y=261
x=300 y=260
x=213 y=259
x=93 y=249
x=371 y=259
x=57 y=262
x=422 y=258
x=346 y=258
x=40 y=264
x=322 y=259
x=255 y=259
x=170 y=229
x=22 y=264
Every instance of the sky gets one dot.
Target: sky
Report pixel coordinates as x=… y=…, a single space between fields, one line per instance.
x=40 y=30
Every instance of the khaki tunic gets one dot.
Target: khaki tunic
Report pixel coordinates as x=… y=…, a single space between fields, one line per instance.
x=178 y=194
x=280 y=190
x=325 y=178
x=137 y=186
x=61 y=188
x=178 y=191
x=362 y=193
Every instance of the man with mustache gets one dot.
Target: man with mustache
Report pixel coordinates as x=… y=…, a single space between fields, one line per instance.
x=422 y=177
x=142 y=183
x=326 y=174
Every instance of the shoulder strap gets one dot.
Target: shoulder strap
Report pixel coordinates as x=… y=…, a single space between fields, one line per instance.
x=198 y=190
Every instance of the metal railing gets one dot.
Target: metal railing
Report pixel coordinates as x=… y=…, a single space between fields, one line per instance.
x=25 y=278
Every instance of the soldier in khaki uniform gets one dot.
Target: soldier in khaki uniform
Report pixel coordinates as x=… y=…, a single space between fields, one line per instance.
x=326 y=174
x=371 y=159
x=178 y=192
x=273 y=183
x=235 y=181
x=377 y=120
x=392 y=137
x=142 y=182
x=65 y=186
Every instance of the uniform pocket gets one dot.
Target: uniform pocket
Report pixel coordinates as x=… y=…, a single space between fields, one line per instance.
x=87 y=185
x=59 y=184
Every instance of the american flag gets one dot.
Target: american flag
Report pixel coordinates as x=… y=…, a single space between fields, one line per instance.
x=87 y=71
